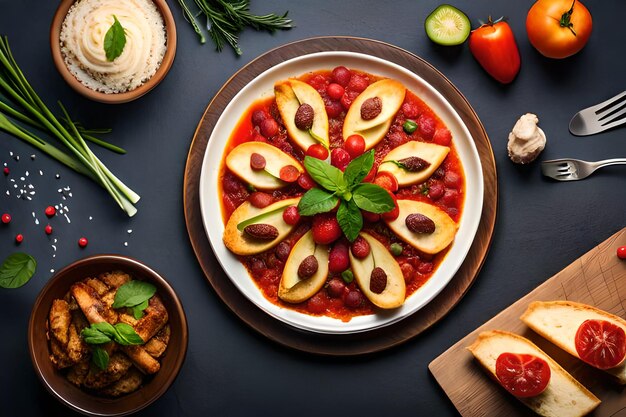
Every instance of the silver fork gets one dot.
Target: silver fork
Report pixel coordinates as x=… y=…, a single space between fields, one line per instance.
x=598 y=118
x=575 y=169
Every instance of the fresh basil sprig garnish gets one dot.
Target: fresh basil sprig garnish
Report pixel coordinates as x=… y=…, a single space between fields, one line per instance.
x=135 y=295
x=100 y=357
x=100 y=333
x=16 y=270
x=121 y=333
x=114 y=40
x=346 y=189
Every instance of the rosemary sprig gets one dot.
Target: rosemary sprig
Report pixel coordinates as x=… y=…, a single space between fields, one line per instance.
x=227 y=18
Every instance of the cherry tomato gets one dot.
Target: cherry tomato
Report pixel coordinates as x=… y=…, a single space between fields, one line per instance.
x=289 y=173
x=493 y=45
x=387 y=180
x=291 y=216
x=522 y=375
x=305 y=181
x=621 y=252
x=355 y=145
x=334 y=91
x=601 y=343
x=558 y=28
x=342 y=75
x=317 y=151
x=340 y=158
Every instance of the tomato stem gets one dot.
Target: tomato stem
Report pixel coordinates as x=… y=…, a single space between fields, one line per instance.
x=566 y=19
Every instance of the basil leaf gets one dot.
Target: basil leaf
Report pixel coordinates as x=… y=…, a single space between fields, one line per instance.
x=350 y=219
x=100 y=357
x=324 y=174
x=133 y=293
x=316 y=201
x=114 y=40
x=372 y=197
x=125 y=335
x=95 y=336
x=138 y=310
x=358 y=168
x=16 y=270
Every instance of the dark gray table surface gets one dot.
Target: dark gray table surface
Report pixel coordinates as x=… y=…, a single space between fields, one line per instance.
x=230 y=370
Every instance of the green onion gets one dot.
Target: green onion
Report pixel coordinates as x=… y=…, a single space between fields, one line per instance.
x=20 y=102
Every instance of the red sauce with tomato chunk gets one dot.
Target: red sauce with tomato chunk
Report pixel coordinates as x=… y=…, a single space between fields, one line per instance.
x=445 y=189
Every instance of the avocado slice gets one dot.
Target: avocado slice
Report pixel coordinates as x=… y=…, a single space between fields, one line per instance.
x=239 y=243
x=430 y=152
x=391 y=93
x=445 y=227
x=292 y=288
x=238 y=161
x=395 y=291
x=290 y=94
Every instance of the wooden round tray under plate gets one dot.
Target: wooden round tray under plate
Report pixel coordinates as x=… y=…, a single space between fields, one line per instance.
x=353 y=343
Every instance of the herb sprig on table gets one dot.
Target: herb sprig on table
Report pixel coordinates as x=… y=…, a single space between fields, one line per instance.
x=347 y=190
x=16 y=270
x=20 y=103
x=227 y=18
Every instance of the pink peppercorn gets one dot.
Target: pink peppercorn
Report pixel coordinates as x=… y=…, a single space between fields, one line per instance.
x=82 y=242
x=50 y=211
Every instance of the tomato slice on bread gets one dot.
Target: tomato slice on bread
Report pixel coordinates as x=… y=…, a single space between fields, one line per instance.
x=522 y=374
x=601 y=343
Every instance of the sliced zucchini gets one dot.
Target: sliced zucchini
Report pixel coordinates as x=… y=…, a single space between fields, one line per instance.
x=447 y=25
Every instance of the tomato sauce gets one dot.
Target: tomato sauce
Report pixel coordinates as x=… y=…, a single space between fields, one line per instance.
x=445 y=189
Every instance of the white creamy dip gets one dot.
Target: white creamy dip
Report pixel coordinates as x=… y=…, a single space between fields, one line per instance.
x=82 y=43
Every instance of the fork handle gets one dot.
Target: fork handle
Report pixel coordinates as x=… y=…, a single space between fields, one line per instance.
x=607 y=162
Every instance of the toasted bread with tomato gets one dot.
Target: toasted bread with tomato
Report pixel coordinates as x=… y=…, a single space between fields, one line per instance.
x=564 y=396
x=558 y=321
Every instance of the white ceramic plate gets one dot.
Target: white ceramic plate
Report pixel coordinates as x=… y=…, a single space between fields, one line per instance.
x=263 y=86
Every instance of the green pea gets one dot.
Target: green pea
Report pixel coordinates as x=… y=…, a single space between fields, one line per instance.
x=409 y=126
x=347 y=276
x=396 y=249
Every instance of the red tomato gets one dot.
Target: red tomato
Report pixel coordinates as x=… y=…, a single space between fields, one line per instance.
x=558 y=28
x=601 y=344
x=355 y=145
x=621 y=252
x=493 y=45
x=522 y=375
x=387 y=180
x=317 y=151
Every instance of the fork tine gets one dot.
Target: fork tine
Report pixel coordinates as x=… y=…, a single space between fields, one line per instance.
x=605 y=105
x=613 y=116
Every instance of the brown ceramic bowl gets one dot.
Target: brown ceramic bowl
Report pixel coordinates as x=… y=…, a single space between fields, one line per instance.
x=115 y=98
x=55 y=381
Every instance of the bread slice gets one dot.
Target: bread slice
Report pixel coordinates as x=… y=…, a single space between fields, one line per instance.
x=558 y=321
x=563 y=397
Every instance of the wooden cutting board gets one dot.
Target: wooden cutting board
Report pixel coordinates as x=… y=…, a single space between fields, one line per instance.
x=597 y=278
